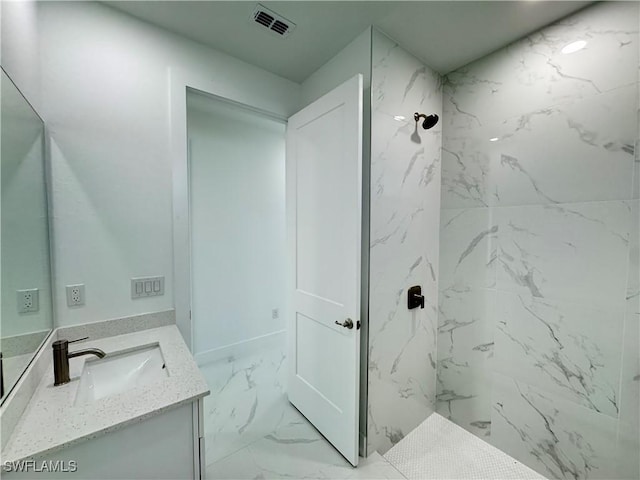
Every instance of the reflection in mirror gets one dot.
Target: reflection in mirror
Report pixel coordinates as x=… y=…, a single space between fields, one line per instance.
x=26 y=311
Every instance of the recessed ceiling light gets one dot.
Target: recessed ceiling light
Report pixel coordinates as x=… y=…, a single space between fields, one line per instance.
x=399 y=118
x=574 y=46
x=494 y=139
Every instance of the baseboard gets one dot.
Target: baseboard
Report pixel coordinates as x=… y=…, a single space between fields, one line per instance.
x=245 y=347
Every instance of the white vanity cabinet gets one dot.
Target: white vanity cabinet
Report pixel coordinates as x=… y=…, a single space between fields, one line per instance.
x=164 y=446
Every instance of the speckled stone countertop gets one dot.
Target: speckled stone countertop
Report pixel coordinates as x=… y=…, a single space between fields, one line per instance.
x=52 y=422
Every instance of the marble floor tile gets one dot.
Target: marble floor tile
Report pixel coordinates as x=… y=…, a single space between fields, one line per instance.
x=239 y=465
x=375 y=467
x=253 y=432
x=247 y=398
x=296 y=450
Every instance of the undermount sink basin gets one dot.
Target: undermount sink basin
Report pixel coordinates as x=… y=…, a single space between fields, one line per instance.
x=119 y=372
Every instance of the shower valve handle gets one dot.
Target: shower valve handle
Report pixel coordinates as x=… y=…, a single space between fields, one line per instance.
x=415 y=298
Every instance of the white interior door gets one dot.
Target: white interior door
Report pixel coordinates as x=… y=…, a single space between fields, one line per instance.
x=324 y=216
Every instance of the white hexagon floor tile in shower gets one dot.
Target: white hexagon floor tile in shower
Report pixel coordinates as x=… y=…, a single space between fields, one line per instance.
x=439 y=448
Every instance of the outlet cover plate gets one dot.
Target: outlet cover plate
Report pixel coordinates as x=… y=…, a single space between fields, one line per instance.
x=75 y=295
x=142 y=287
x=28 y=300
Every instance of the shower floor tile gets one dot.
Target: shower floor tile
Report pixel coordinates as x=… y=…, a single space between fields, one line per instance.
x=439 y=449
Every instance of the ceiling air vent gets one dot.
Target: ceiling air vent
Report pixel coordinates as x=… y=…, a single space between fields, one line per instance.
x=271 y=20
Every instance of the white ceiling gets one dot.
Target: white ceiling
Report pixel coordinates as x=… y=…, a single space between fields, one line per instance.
x=444 y=34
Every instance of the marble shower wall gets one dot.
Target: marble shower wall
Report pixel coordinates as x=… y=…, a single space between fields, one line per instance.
x=405 y=210
x=539 y=307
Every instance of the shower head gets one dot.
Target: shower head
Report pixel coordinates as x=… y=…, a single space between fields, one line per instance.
x=429 y=120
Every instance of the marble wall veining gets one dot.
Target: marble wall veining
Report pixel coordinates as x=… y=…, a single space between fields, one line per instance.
x=405 y=210
x=248 y=395
x=538 y=314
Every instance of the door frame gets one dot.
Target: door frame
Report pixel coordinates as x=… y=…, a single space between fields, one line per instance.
x=179 y=82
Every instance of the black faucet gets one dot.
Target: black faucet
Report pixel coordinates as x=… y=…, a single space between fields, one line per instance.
x=61 y=358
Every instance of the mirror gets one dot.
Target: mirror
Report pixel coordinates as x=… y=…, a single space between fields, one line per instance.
x=26 y=313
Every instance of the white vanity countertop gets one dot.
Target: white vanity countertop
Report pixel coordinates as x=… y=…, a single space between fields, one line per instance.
x=52 y=422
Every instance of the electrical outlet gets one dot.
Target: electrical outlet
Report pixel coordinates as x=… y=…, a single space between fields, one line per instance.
x=275 y=313
x=28 y=300
x=75 y=295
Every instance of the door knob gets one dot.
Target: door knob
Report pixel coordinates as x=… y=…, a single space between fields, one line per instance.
x=348 y=323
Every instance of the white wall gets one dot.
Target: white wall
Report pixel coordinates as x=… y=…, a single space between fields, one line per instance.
x=19 y=51
x=353 y=59
x=237 y=190
x=105 y=97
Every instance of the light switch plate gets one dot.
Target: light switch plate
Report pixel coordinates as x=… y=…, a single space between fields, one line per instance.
x=142 y=287
x=28 y=300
